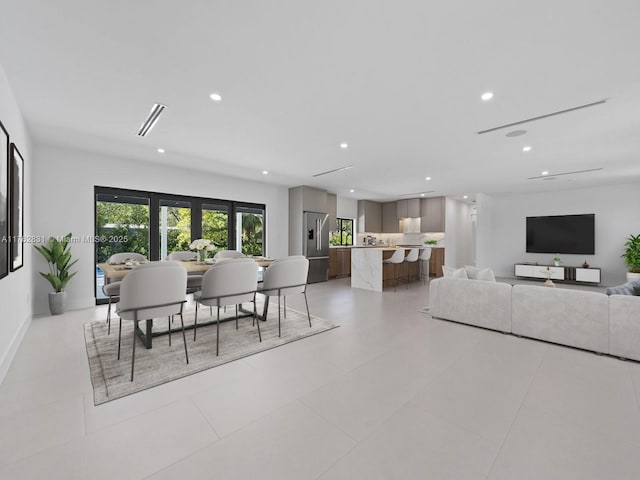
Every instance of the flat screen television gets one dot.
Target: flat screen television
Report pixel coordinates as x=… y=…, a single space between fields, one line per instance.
x=561 y=234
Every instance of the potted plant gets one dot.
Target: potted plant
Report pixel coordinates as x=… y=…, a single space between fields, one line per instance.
x=556 y=261
x=431 y=242
x=631 y=257
x=58 y=256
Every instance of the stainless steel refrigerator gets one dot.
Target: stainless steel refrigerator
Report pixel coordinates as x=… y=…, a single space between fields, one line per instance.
x=315 y=245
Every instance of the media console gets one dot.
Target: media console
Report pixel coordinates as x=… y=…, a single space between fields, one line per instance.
x=562 y=274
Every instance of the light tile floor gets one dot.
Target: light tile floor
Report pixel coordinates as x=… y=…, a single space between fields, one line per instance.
x=390 y=394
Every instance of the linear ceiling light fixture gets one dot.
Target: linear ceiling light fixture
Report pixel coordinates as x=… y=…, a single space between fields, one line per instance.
x=151 y=120
x=540 y=117
x=546 y=174
x=347 y=167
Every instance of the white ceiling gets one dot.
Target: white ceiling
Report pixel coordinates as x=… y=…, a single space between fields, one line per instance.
x=400 y=81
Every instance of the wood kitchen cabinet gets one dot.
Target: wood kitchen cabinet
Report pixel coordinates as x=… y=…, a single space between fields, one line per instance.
x=390 y=222
x=369 y=216
x=436 y=262
x=433 y=214
x=339 y=262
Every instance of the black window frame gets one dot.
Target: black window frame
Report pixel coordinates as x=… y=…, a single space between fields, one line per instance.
x=339 y=222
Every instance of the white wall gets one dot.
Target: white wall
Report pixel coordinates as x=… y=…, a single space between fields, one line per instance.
x=15 y=289
x=347 y=208
x=501 y=227
x=63 y=186
x=459 y=242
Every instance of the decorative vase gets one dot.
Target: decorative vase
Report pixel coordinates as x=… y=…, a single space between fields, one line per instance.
x=57 y=302
x=549 y=283
x=202 y=255
x=557 y=264
x=633 y=277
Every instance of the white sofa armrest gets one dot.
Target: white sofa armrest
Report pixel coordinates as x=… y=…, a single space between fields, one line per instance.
x=624 y=326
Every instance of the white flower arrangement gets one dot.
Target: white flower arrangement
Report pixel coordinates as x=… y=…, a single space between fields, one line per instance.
x=202 y=244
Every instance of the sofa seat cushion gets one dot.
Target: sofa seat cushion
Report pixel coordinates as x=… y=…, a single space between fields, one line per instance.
x=570 y=317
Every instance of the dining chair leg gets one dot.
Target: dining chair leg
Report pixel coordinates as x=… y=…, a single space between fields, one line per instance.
x=195 y=323
x=169 y=320
x=184 y=338
x=133 y=353
x=307 y=304
x=109 y=317
x=255 y=313
x=119 y=338
x=236 y=316
x=218 y=332
x=284 y=300
x=279 y=331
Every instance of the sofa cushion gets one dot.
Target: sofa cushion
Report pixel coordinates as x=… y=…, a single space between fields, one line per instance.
x=447 y=272
x=459 y=273
x=629 y=288
x=486 y=274
x=472 y=272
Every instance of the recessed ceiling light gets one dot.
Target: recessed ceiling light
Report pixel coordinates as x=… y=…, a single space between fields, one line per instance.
x=486 y=96
x=427 y=178
x=516 y=133
x=465 y=197
x=352 y=190
x=161 y=150
x=544 y=173
x=422 y=194
x=344 y=145
x=526 y=148
x=216 y=97
x=265 y=172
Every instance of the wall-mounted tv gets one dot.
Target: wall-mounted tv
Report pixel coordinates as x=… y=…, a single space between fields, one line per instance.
x=561 y=234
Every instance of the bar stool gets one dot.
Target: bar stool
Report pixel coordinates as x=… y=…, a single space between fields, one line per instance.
x=412 y=257
x=424 y=258
x=397 y=259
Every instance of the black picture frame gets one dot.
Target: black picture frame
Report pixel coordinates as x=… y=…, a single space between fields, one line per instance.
x=4 y=201
x=17 y=209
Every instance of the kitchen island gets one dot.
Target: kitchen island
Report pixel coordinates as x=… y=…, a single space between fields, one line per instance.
x=370 y=273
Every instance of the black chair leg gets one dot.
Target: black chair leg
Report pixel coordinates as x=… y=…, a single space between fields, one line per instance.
x=284 y=300
x=255 y=313
x=218 y=332
x=184 y=338
x=279 y=331
x=133 y=354
x=119 y=338
x=236 y=316
x=169 y=320
x=307 y=304
x=109 y=317
x=195 y=323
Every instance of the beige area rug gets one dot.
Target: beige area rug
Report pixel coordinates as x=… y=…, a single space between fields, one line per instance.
x=163 y=363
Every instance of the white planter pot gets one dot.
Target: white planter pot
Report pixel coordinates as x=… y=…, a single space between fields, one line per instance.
x=633 y=277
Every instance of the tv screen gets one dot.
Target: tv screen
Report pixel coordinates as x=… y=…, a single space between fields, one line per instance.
x=561 y=234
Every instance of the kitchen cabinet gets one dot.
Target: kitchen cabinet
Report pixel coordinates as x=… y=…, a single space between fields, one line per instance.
x=314 y=200
x=369 y=216
x=433 y=214
x=390 y=222
x=409 y=208
x=339 y=262
x=332 y=210
x=436 y=262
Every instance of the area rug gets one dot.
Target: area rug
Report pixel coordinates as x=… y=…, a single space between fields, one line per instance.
x=163 y=363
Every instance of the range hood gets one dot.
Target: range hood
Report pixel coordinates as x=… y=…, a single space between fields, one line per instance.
x=410 y=225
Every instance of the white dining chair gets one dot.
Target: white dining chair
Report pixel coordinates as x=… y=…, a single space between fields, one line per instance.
x=150 y=291
x=228 y=254
x=194 y=280
x=231 y=282
x=287 y=276
x=112 y=289
x=182 y=256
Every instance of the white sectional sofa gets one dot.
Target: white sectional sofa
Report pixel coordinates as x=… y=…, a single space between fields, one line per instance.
x=577 y=318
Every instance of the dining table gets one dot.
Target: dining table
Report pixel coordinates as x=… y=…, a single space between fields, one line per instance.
x=116 y=272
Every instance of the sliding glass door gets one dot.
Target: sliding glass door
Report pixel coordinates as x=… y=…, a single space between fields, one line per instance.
x=215 y=224
x=174 y=226
x=250 y=230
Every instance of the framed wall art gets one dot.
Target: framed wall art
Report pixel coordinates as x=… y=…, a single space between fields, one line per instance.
x=4 y=202
x=17 y=208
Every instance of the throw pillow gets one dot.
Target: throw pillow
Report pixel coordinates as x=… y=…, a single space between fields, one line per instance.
x=636 y=286
x=447 y=272
x=472 y=272
x=459 y=273
x=487 y=275
x=624 y=289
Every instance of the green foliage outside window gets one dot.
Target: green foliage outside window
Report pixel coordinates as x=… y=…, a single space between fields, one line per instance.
x=125 y=227
x=343 y=234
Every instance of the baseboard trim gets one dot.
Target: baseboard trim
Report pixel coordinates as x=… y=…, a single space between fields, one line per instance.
x=9 y=355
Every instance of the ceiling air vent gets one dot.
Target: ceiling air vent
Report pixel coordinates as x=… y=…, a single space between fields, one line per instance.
x=151 y=120
x=541 y=117
x=346 y=167
x=550 y=176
